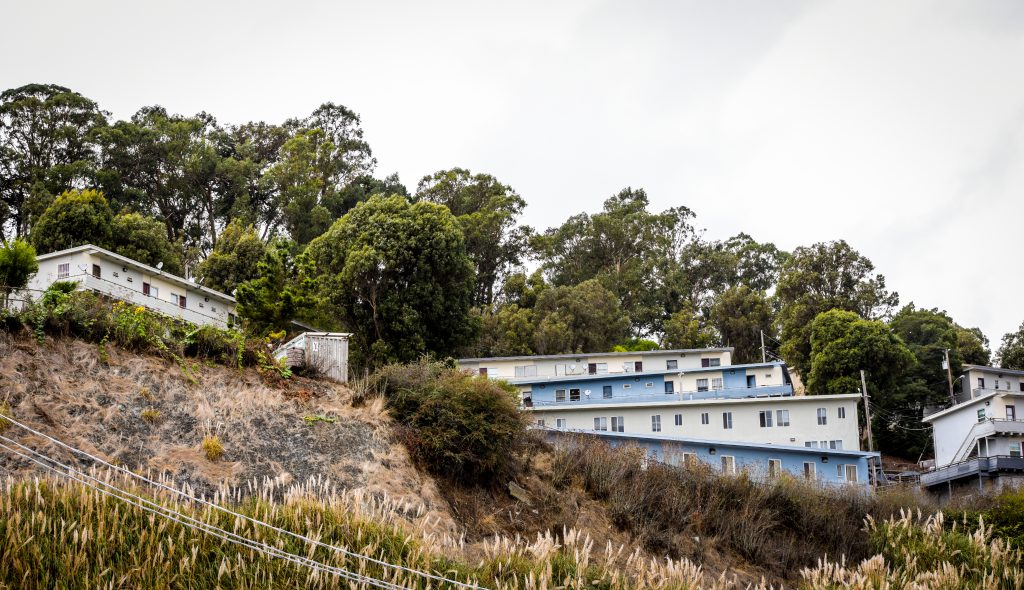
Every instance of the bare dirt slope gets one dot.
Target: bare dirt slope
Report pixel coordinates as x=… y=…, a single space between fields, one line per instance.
x=148 y=414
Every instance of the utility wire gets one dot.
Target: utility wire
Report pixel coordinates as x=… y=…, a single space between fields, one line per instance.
x=186 y=521
x=215 y=506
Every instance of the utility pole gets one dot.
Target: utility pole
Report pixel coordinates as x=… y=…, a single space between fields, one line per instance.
x=763 y=359
x=867 y=408
x=867 y=417
x=949 y=375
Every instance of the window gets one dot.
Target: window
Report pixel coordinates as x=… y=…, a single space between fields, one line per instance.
x=1011 y=413
x=64 y=270
x=766 y=418
x=782 y=417
x=841 y=412
x=656 y=423
x=145 y=288
x=626 y=386
x=851 y=473
x=179 y=300
x=705 y=362
x=627 y=367
x=811 y=444
x=716 y=383
x=559 y=395
x=728 y=464
x=96 y=271
x=670 y=387
x=1015 y=449
x=526 y=371
x=679 y=419
x=835 y=444
x=649 y=384
x=618 y=424
x=774 y=467
x=673 y=364
x=560 y=422
x=540 y=422
x=702 y=384
x=810 y=471
x=822 y=417
x=689 y=459
x=710 y=362
x=981 y=415
x=639 y=366
x=606 y=392
x=1022 y=385
x=727 y=420
x=574 y=395
x=705 y=418
x=981 y=383
x=601 y=423
x=597 y=368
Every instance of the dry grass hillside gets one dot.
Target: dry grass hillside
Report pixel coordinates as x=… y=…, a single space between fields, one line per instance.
x=145 y=413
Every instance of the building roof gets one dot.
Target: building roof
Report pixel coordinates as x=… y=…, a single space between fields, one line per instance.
x=658 y=401
x=999 y=370
x=655 y=373
x=128 y=262
x=969 y=403
x=679 y=351
x=716 y=442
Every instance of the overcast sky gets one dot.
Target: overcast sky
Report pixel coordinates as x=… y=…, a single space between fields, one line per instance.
x=898 y=126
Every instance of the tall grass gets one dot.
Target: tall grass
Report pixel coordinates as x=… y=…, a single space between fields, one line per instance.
x=59 y=534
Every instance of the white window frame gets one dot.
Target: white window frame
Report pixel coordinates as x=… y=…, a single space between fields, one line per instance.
x=727 y=420
x=671 y=364
x=1014 y=449
x=810 y=470
x=765 y=418
x=774 y=467
x=850 y=467
x=705 y=418
x=540 y=422
x=841 y=412
x=782 y=417
x=63 y=270
x=579 y=394
x=729 y=464
x=601 y=424
x=702 y=384
x=559 y=395
x=656 y=423
x=717 y=384
x=618 y=424
x=679 y=419
x=649 y=384
x=560 y=423
x=607 y=392
x=822 y=416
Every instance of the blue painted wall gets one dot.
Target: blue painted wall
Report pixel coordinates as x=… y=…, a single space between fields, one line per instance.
x=544 y=393
x=754 y=461
x=734 y=378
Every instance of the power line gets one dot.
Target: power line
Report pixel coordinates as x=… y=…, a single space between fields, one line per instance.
x=189 y=522
x=257 y=522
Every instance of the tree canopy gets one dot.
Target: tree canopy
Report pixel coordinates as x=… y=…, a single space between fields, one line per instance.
x=74 y=219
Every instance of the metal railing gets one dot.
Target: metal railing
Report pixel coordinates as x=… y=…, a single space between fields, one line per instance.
x=973 y=466
x=118 y=291
x=988 y=427
x=679 y=396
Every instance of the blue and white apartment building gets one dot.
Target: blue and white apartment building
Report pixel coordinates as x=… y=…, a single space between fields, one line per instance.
x=694 y=404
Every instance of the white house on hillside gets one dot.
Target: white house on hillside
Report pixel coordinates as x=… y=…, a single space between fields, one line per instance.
x=119 y=277
x=978 y=439
x=694 y=404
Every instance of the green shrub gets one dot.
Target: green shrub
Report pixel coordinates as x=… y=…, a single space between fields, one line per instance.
x=461 y=427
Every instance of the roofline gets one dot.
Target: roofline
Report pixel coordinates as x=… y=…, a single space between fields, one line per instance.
x=656 y=372
x=696 y=402
x=681 y=351
x=139 y=265
x=968 y=403
x=716 y=442
x=1017 y=372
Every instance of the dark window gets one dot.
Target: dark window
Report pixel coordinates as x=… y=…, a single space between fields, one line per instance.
x=638 y=366
x=981 y=383
x=145 y=288
x=672 y=364
x=670 y=387
x=592 y=368
x=751 y=381
x=607 y=392
x=96 y=270
x=574 y=395
x=705 y=362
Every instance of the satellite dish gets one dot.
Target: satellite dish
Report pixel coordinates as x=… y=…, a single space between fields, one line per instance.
x=159 y=265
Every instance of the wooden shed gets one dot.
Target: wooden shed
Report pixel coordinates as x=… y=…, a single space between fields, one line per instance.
x=326 y=352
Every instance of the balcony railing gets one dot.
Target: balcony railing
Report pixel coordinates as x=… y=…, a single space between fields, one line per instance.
x=136 y=297
x=973 y=467
x=675 y=397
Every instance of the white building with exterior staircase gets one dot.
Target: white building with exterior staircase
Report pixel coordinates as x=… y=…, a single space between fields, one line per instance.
x=978 y=439
x=119 y=277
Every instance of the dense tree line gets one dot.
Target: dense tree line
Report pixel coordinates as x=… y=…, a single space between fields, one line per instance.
x=292 y=219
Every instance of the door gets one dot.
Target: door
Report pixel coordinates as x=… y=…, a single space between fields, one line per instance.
x=851 y=473
x=592 y=368
x=1011 y=413
x=751 y=381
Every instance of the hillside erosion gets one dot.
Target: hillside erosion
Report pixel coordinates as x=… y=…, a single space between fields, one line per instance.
x=148 y=414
